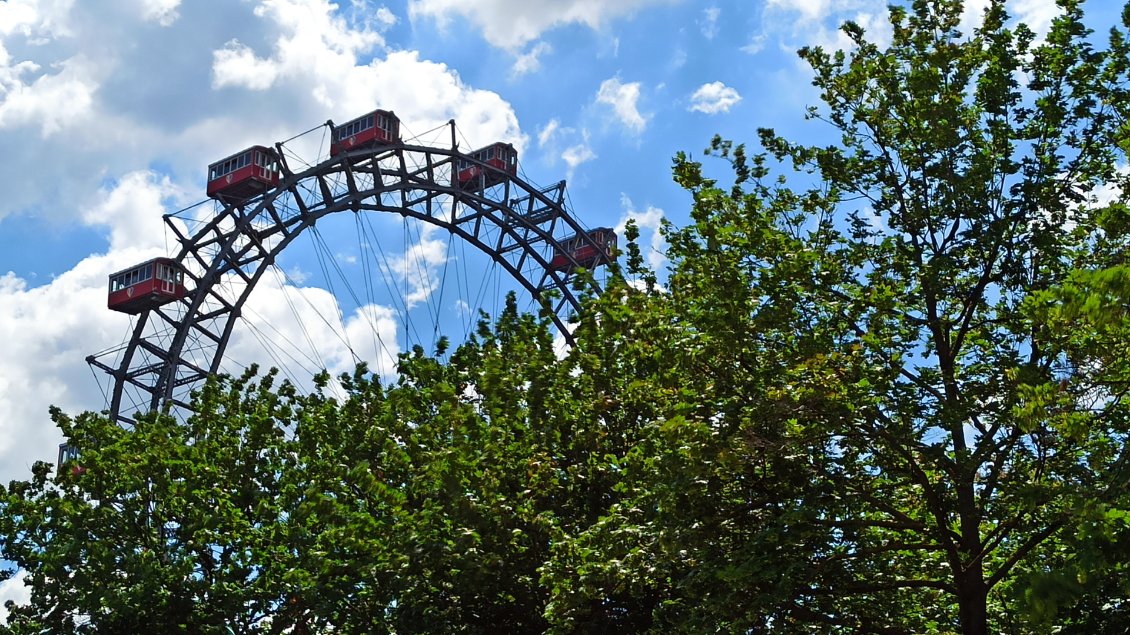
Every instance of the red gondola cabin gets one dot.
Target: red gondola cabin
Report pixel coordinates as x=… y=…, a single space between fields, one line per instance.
x=243 y=175
x=589 y=251
x=146 y=286
x=490 y=166
x=380 y=127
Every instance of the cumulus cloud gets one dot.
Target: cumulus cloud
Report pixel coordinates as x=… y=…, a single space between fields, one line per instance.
x=428 y=94
x=303 y=330
x=320 y=59
x=47 y=331
x=38 y=19
x=755 y=44
x=624 y=100
x=511 y=24
x=93 y=105
x=163 y=12
x=529 y=61
x=384 y=17
x=418 y=266
x=679 y=58
x=132 y=210
x=45 y=334
x=237 y=65
x=818 y=21
x=52 y=101
x=810 y=10
x=577 y=154
x=17 y=16
x=311 y=36
x=39 y=23
x=648 y=221
x=1037 y=14
x=714 y=98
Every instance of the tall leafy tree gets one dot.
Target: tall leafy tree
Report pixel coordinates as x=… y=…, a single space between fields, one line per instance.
x=427 y=504
x=159 y=528
x=879 y=428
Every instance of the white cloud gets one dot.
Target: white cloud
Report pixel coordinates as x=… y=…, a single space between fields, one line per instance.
x=679 y=58
x=296 y=275
x=709 y=23
x=133 y=210
x=17 y=16
x=1037 y=14
x=511 y=24
x=312 y=36
x=576 y=155
x=303 y=331
x=809 y=10
x=648 y=221
x=462 y=309
x=714 y=98
x=546 y=133
x=319 y=61
x=237 y=65
x=817 y=22
x=36 y=19
x=429 y=94
x=624 y=99
x=47 y=331
x=45 y=334
x=529 y=61
x=163 y=12
x=53 y=101
x=385 y=17
x=578 y=149
x=107 y=98
x=755 y=45
x=14 y=589
x=418 y=267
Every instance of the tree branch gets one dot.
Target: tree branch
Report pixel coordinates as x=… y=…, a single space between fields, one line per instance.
x=1023 y=550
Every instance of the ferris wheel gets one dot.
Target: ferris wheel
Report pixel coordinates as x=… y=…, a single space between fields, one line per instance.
x=266 y=203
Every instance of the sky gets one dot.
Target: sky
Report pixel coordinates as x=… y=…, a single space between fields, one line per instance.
x=111 y=110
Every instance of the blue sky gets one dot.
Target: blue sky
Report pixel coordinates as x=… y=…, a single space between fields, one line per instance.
x=111 y=110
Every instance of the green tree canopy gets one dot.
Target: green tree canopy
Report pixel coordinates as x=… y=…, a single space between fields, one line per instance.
x=887 y=426
x=427 y=505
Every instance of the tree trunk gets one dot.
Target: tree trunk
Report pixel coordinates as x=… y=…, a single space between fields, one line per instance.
x=972 y=601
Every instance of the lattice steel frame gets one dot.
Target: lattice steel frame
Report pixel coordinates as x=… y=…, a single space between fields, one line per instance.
x=174 y=348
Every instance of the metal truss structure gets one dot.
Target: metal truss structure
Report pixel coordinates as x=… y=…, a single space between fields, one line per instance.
x=176 y=347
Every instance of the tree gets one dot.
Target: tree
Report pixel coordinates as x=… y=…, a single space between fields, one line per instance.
x=877 y=427
x=158 y=528
x=426 y=504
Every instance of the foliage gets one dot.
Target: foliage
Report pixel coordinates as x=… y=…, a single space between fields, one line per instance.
x=424 y=505
x=885 y=426
x=156 y=528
